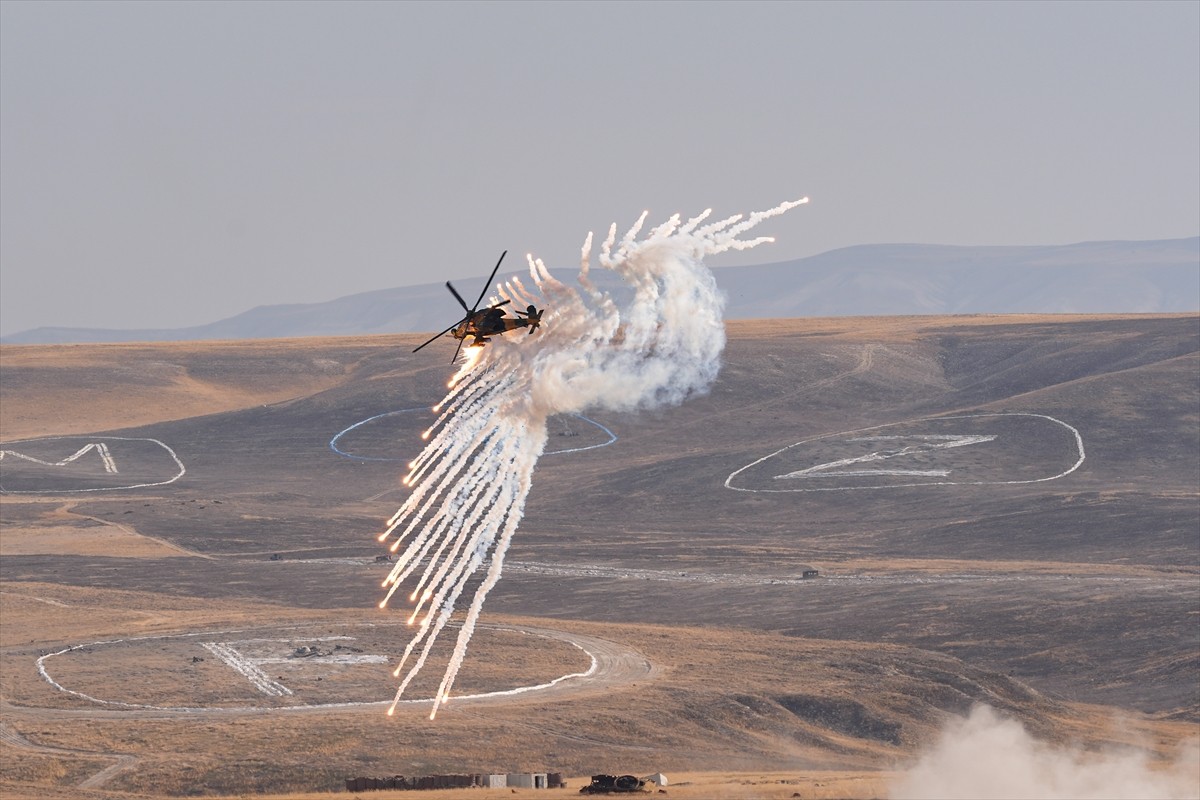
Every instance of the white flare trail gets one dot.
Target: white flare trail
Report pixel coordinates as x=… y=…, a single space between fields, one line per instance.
x=470 y=482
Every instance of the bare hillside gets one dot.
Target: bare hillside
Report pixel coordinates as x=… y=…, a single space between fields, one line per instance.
x=998 y=509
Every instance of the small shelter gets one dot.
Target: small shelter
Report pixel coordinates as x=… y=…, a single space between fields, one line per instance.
x=657 y=779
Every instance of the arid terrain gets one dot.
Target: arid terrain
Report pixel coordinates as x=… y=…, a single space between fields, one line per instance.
x=1000 y=511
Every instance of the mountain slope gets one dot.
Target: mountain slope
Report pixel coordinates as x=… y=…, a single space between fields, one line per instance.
x=889 y=279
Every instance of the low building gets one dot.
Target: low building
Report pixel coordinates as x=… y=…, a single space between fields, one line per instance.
x=526 y=780
x=515 y=780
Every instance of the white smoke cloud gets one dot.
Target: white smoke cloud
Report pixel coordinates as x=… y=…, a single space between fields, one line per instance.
x=988 y=757
x=657 y=350
x=591 y=352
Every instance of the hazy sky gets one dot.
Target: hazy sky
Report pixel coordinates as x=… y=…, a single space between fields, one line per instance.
x=166 y=164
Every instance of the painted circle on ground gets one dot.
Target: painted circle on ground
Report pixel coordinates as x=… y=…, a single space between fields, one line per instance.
x=329 y=665
x=966 y=449
x=91 y=463
x=374 y=438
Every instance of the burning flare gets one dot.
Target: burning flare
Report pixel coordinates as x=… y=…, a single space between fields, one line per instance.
x=471 y=479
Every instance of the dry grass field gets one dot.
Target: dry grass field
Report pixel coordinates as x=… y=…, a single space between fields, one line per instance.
x=1048 y=565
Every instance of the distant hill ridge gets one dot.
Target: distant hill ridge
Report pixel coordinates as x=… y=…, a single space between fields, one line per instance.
x=1158 y=276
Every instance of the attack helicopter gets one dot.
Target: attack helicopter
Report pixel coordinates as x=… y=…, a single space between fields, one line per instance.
x=490 y=321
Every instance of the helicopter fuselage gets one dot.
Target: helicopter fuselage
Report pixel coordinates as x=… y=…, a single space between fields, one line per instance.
x=489 y=322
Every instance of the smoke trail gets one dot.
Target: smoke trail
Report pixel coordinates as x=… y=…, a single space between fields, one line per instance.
x=471 y=480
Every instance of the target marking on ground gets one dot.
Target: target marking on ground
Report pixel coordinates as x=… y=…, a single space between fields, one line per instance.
x=266 y=664
x=338 y=444
x=94 y=463
x=1001 y=448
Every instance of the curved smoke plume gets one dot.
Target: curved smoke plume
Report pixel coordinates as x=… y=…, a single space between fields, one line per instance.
x=471 y=480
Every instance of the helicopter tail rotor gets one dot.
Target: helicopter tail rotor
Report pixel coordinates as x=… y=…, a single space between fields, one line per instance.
x=533 y=318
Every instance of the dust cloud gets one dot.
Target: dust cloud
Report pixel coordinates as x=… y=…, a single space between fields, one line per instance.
x=988 y=757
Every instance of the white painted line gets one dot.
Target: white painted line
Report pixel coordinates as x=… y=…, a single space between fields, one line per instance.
x=34 y=597
x=333 y=443
x=1074 y=432
x=591 y=670
x=331 y=659
x=294 y=659
x=929 y=436
x=293 y=638
x=44 y=673
x=862 y=473
x=612 y=437
x=105 y=454
x=247 y=669
x=826 y=579
x=100 y=447
x=929 y=442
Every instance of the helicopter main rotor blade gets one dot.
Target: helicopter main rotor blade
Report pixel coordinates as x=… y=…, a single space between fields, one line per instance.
x=458 y=297
x=470 y=311
x=489 y=282
x=440 y=335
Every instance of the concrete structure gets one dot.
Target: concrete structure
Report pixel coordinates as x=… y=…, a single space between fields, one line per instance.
x=515 y=780
x=527 y=780
x=422 y=782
